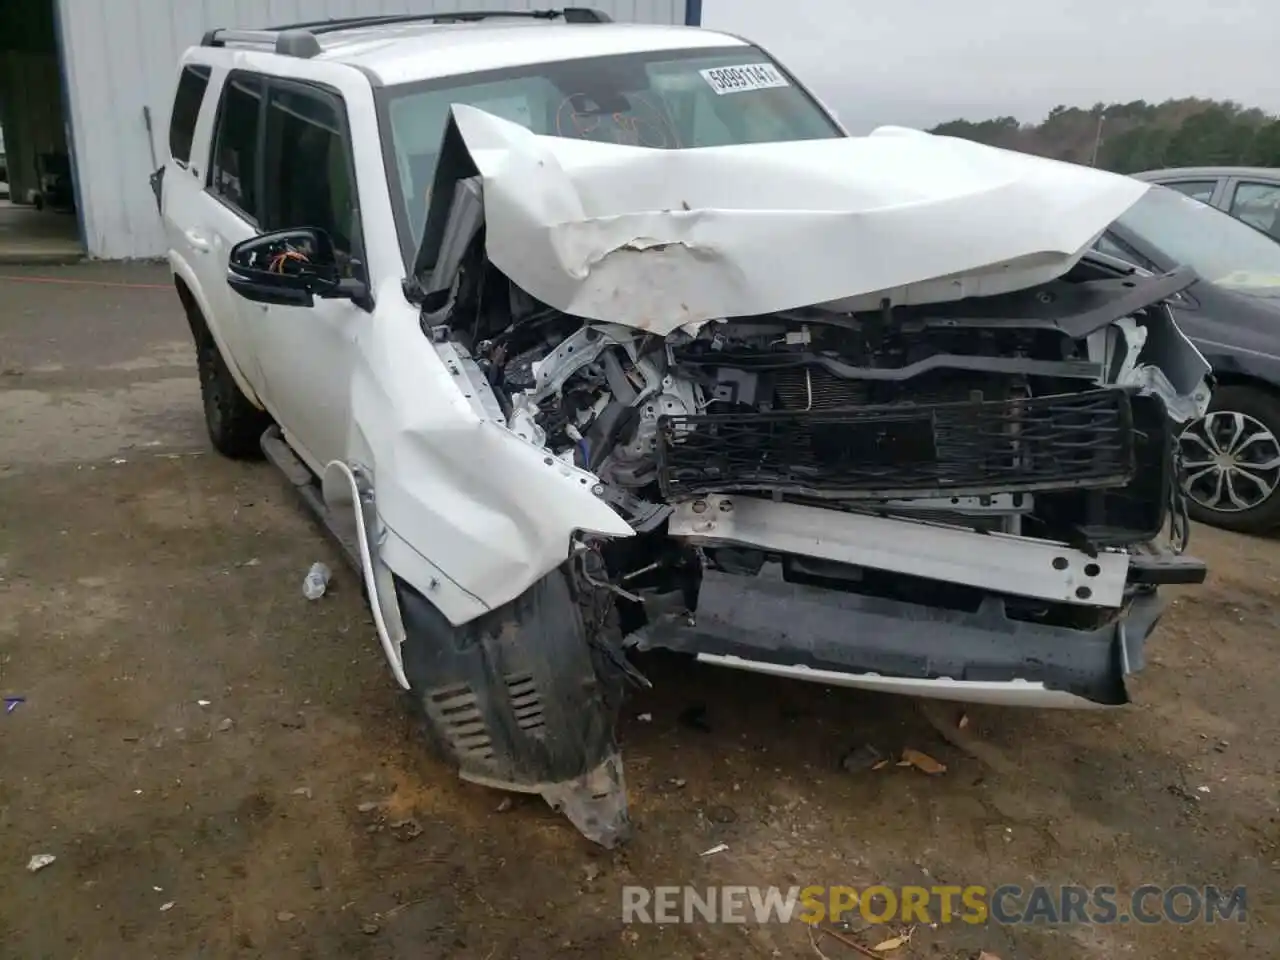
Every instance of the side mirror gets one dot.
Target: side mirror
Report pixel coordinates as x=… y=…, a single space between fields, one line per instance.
x=288 y=268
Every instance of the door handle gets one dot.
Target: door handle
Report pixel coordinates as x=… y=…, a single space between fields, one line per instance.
x=197 y=241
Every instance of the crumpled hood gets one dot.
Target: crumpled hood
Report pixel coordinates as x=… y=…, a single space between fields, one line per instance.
x=660 y=239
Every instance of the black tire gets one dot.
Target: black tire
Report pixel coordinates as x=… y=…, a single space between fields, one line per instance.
x=235 y=425
x=1261 y=409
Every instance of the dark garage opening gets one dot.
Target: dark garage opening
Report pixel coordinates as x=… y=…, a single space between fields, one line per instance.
x=38 y=218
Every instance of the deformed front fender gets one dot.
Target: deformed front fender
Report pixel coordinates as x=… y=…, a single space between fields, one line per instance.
x=491 y=512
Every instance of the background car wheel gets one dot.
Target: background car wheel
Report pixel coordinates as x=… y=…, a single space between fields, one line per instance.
x=1232 y=461
x=235 y=425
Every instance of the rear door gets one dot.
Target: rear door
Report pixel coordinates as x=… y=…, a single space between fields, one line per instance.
x=179 y=183
x=184 y=118
x=230 y=210
x=187 y=211
x=1256 y=202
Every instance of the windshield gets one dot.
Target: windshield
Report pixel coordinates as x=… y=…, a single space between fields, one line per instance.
x=667 y=99
x=1217 y=246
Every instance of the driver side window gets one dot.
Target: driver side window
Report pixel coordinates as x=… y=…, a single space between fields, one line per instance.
x=308 y=177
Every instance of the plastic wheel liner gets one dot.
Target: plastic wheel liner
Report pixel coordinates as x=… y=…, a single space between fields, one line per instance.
x=515 y=700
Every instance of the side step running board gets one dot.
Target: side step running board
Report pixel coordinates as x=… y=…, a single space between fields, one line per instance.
x=350 y=528
x=308 y=488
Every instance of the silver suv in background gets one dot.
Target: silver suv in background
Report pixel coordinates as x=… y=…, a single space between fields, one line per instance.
x=1251 y=194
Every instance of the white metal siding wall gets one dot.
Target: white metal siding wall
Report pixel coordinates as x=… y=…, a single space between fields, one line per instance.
x=122 y=55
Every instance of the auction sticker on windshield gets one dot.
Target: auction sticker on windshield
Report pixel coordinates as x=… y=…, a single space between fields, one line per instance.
x=748 y=76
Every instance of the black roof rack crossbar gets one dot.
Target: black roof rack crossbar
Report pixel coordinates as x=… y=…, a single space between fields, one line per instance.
x=568 y=14
x=299 y=39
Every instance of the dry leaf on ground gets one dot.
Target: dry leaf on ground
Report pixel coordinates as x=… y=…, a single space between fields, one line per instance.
x=893 y=944
x=922 y=761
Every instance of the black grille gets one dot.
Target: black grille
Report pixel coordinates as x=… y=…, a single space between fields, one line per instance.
x=1069 y=440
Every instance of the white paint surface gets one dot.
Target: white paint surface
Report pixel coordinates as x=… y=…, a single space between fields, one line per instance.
x=663 y=239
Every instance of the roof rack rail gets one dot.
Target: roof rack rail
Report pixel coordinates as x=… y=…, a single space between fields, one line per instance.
x=299 y=39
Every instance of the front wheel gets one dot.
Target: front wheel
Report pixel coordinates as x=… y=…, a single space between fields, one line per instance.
x=235 y=425
x=1231 y=458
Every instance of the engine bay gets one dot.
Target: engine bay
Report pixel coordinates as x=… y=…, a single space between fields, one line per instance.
x=1010 y=413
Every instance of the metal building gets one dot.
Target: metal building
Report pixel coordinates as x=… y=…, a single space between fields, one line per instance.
x=85 y=91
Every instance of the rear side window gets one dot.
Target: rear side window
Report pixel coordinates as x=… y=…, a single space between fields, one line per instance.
x=1201 y=190
x=186 y=110
x=1258 y=204
x=234 y=174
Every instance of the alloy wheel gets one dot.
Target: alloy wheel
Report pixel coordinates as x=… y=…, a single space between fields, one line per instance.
x=1232 y=461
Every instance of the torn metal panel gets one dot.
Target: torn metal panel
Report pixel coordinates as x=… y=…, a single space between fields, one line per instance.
x=663 y=239
x=1171 y=367
x=472 y=513
x=1077 y=309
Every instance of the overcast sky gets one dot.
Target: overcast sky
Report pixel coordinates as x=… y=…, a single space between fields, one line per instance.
x=919 y=62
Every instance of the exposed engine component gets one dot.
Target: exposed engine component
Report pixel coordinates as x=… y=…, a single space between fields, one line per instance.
x=813 y=391
x=1004 y=420
x=678 y=398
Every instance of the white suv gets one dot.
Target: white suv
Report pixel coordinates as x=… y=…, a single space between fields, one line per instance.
x=584 y=337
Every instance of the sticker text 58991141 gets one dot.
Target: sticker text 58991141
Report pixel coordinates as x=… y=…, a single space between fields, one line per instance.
x=748 y=76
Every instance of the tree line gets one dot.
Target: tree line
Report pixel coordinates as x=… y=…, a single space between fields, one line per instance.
x=1129 y=137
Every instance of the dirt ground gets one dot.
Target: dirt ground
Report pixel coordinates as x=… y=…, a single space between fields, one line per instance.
x=202 y=749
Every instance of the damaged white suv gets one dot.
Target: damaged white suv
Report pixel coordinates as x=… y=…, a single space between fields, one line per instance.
x=584 y=337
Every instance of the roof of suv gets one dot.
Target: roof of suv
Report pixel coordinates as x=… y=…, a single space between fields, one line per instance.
x=1180 y=173
x=396 y=53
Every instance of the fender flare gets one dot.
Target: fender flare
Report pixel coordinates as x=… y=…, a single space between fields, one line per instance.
x=346 y=488
x=182 y=271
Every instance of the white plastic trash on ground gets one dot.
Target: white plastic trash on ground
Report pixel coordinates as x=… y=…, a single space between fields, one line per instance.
x=317 y=580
